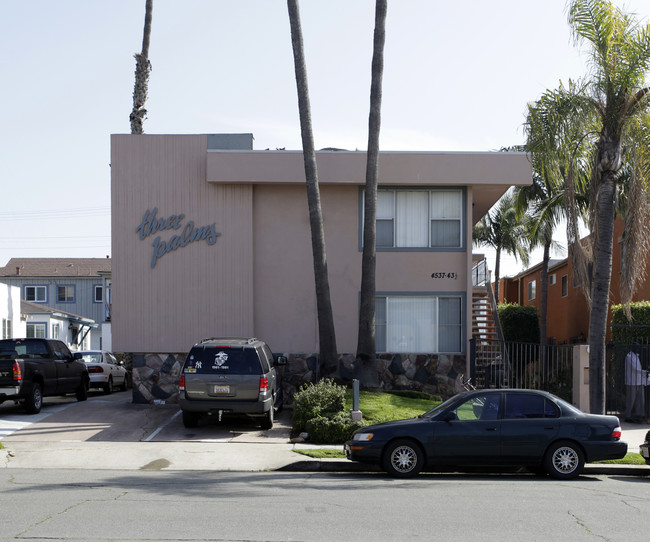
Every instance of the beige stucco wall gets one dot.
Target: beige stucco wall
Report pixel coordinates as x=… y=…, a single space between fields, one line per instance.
x=257 y=279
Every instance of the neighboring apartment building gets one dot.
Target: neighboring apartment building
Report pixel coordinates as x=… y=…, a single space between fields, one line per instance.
x=76 y=289
x=212 y=238
x=568 y=313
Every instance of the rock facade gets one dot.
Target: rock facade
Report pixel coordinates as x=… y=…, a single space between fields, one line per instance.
x=155 y=376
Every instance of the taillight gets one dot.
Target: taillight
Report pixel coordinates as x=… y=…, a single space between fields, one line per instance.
x=18 y=374
x=181 y=383
x=264 y=384
x=95 y=369
x=616 y=433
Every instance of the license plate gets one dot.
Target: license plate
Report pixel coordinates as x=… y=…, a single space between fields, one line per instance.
x=221 y=389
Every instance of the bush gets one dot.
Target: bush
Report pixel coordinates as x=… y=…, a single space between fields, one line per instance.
x=519 y=323
x=333 y=428
x=316 y=400
x=626 y=332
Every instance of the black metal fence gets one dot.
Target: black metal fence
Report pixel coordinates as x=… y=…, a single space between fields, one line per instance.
x=523 y=365
x=622 y=374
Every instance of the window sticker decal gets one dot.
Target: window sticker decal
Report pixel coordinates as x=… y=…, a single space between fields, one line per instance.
x=220 y=360
x=192 y=365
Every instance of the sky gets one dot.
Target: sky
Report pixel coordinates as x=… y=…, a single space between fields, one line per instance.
x=457 y=77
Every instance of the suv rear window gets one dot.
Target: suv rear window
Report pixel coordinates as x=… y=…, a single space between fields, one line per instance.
x=223 y=360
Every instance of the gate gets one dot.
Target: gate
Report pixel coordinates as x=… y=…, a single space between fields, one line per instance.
x=616 y=366
x=497 y=364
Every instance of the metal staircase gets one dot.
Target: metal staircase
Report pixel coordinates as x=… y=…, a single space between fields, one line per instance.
x=490 y=358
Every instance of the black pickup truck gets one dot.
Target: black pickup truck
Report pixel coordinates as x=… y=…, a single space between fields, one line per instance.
x=31 y=369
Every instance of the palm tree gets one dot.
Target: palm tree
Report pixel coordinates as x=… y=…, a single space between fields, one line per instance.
x=619 y=47
x=366 y=338
x=326 y=334
x=142 y=71
x=551 y=142
x=502 y=230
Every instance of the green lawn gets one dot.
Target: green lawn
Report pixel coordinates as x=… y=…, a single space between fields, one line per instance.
x=383 y=407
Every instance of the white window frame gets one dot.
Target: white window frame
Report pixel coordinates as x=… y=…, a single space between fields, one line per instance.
x=36 y=289
x=7 y=329
x=426 y=327
x=98 y=288
x=38 y=330
x=531 y=288
x=552 y=279
x=56 y=331
x=403 y=225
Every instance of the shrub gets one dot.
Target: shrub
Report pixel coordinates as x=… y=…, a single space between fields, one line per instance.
x=333 y=428
x=519 y=323
x=626 y=332
x=314 y=400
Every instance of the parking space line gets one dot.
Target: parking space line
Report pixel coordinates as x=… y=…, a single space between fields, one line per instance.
x=161 y=427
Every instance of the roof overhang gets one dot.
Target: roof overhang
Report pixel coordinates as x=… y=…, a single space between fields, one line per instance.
x=488 y=174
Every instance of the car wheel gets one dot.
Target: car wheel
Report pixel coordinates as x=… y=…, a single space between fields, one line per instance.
x=267 y=420
x=82 y=390
x=403 y=458
x=125 y=382
x=34 y=400
x=108 y=387
x=190 y=419
x=564 y=460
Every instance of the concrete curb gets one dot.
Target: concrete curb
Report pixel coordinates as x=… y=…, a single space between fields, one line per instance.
x=343 y=466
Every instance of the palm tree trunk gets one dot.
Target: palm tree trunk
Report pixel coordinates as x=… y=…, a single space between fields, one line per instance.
x=543 y=313
x=366 y=349
x=497 y=268
x=326 y=335
x=142 y=72
x=600 y=292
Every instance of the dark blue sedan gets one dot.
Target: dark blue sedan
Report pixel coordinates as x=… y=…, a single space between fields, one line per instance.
x=494 y=427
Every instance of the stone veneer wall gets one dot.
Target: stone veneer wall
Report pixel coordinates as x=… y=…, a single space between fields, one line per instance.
x=155 y=376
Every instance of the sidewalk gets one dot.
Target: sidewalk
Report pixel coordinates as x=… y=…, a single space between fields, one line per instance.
x=146 y=437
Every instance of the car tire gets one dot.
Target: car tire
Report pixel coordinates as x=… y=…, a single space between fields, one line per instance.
x=125 y=382
x=108 y=387
x=564 y=460
x=190 y=419
x=403 y=458
x=267 y=420
x=82 y=391
x=34 y=400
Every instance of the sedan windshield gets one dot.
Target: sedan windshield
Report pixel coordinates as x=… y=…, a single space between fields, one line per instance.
x=442 y=406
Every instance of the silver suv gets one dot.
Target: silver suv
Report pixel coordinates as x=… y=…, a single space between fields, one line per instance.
x=231 y=375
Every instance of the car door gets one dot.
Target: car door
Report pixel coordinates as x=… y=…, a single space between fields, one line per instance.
x=68 y=373
x=530 y=422
x=472 y=436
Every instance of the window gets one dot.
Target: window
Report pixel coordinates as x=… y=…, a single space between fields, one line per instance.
x=532 y=290
x=419 y=218
x=65 y=294
x=38 y=331
x=551 y=279
x=6 y=329
x=479 y=407
x=99 y=294
x=418 y=324
x=527 y=405
x=565 y=285
x=55 y=331
x=37 y=294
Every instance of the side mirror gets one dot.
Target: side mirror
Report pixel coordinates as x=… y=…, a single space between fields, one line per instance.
x=281 y=360
x=77 y=355
x=449 y=417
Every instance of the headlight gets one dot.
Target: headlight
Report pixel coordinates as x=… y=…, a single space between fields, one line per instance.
x=362 y=436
